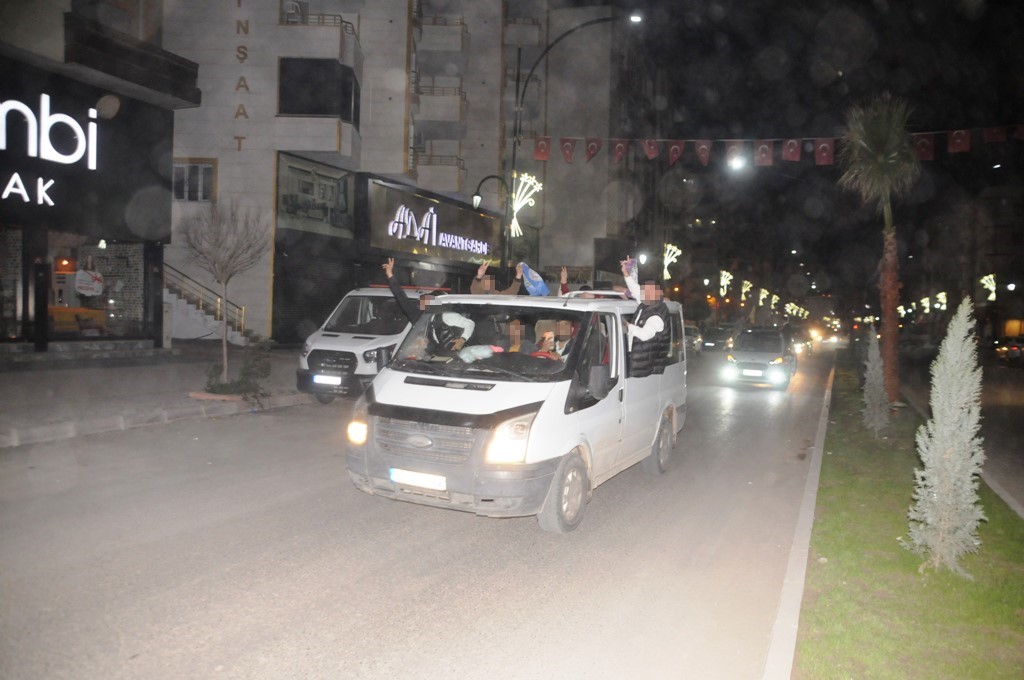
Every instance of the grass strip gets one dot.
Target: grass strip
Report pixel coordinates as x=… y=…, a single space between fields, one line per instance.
x=867 y=612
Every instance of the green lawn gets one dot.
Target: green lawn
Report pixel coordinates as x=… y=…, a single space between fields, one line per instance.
x=867 y=612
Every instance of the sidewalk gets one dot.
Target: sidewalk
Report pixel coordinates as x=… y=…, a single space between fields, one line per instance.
x=48 y=400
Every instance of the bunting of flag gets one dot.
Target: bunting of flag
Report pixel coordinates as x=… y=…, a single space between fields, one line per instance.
x=790 y=150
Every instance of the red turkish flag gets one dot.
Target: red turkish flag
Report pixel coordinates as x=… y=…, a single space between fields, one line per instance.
x=924 y=145
x=959 y=141
x=541 y=148
x=996 y=134
x=651 y=147
x=568 y=145
x=791 y=150
x=675 y=151
x=618 y=149
x=764 y=152
x=733 y=149
x=824 y=150
x=593 y=146
x=703 y=148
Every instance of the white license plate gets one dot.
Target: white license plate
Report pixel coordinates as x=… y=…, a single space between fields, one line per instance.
x=327 y=379
x=751 y=373
x=422 y=480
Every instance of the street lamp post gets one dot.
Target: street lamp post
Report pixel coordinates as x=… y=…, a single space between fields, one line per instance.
x=517 y=124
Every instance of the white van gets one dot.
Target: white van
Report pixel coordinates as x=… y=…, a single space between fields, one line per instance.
x=514 y=433
x=340 y=357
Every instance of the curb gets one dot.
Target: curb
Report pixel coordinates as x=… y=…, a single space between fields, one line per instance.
x=13 y=437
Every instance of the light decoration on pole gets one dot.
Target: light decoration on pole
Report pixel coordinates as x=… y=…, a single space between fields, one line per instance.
x=775 y=301
x=902 y=310
x=940 y=300
x=745 y=288
x=792 y=309
x=761 y=297
x=926 y=305
x=725 y=278
x=988 y=282
x=672 y=253
x=526 y=187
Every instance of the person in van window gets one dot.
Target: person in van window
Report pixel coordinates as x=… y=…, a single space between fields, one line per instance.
x=647 y=332
x=483 y=283
x=448 y=332
x=519 y=339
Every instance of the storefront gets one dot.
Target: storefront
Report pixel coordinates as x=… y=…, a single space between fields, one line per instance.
x=84 y=210
x=335 y=228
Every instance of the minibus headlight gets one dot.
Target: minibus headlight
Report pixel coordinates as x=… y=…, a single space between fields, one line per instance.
x=370 y=355
x=508 y=443
x=359 y=424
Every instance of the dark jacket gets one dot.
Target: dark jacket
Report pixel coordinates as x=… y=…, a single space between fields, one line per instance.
x=650 y=356
x=410 y=307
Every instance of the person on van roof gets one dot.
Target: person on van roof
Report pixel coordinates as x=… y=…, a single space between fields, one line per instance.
x=448 y=331
x=647 y=335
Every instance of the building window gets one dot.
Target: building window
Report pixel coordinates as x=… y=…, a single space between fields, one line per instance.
x=318 y=87
x=194 y=180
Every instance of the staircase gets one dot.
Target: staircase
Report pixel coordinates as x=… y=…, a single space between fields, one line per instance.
x=197 y=311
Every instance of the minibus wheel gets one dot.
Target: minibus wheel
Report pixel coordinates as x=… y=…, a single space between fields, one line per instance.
x=324 y=398
x=657 y=462
x=567 y=498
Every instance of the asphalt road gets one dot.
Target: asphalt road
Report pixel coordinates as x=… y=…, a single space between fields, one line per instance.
x=237 y=548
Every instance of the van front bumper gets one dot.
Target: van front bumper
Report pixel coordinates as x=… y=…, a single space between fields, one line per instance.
x=487 y=490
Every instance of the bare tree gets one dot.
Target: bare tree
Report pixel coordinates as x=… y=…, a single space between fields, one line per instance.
x=225 y=242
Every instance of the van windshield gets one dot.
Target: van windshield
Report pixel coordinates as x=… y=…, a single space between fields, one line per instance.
x=500 y=342
x=372 y=315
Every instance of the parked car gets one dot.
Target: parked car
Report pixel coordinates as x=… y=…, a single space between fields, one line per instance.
x=760 y=355
x=339 y=359
x=1009 y=350
x=717 y=339
x=694 y=339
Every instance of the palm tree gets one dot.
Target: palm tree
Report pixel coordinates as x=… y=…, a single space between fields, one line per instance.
x=879 y=163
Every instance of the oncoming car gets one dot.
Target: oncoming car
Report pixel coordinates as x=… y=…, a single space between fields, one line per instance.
x=760 y=355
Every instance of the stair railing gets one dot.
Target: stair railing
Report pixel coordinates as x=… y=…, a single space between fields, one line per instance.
x=203 y=298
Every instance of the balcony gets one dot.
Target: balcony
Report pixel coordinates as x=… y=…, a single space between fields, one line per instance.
x=106 y=57
x=350 y=52
x=441 y=112
x=522 y=32
x=438 y=173
x=443 y=44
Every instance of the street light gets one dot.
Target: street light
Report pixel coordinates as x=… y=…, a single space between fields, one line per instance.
x=476 y=195
x=520 y=95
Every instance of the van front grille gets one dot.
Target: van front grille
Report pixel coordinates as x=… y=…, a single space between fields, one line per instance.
x=424 y=441
x=332 y=363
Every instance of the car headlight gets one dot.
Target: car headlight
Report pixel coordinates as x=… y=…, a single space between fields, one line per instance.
x=777 y=361
x=359 y=425
x=798 y=348
x=370 y=355
x=730 y=358
x=508 y=443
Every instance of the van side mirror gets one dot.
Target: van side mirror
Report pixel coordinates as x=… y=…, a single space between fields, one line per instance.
x=599 y=382
x=384 y=356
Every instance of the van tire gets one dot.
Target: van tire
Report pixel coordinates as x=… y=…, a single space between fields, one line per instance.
x=324 y=398
x=657 y=462
x=567 y=497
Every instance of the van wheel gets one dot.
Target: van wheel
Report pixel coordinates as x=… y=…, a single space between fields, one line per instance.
x=567 y=497
x=324 y=398
x=657 y=462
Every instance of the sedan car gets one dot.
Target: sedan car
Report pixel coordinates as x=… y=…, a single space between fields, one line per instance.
x=717 y=339
x=1009 y=350
x=760 y=355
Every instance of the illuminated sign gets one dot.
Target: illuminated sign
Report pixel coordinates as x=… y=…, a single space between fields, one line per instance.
x=407 y=220
x=39 y=134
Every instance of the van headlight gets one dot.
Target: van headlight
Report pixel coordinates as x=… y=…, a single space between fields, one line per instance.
x=370 y=355
x=508 y=443
x=359 y=424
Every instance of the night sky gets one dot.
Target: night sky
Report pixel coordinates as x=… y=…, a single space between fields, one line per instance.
x=749 y=69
